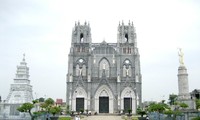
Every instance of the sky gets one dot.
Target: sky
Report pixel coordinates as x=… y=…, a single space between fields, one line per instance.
x=42 y=30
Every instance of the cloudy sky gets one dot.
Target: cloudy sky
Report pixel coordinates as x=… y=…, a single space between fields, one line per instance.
x=42 y=30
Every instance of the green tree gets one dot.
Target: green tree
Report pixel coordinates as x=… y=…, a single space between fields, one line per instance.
x=168 y=112
x=158 y=107
x=48 y=103
x=54 y=110
x=196 y=118
x=172 y=99
x=68 y=110
x=183 y=105
x=129 y=111
x=140 y=112
x=26 y=107
x=197 y=103
x=41 y=99
x=35 y=101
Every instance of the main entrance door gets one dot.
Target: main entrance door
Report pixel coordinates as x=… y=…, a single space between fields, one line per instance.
x=127 y=104
x=79 y=104
x=103 y=104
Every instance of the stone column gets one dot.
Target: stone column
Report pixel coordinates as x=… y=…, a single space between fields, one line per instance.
x=183 y=86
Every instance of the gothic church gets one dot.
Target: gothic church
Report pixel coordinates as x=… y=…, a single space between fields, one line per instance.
x=104 y=77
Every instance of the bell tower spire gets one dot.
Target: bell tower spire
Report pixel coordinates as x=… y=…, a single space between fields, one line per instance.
x=81 y=33
x=126 y=33
x=24 y=57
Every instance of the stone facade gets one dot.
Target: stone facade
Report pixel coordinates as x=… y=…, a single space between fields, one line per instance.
x=20 y=92
x=104 y=77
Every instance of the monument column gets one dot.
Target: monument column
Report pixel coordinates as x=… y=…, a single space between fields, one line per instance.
x=183 y=87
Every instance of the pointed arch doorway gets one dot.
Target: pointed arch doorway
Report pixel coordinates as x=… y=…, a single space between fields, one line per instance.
x=79 y=99
x=128 y=100
x=104 y=100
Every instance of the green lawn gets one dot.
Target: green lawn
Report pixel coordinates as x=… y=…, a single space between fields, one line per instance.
x=64 y=118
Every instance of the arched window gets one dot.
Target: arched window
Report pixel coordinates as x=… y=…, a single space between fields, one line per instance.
x=84 y=70
x=127 y=70
x=77 y=70
x=81 y=67
x=124 y=71
x=81 y=37
x=130 y=71
x=126 y=37
x=137 y=78
x=104 y=65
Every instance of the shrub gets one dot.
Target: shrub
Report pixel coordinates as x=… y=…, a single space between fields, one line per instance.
x=197 y=118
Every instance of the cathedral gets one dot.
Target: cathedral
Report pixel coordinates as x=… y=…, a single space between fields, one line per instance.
x=104 y=77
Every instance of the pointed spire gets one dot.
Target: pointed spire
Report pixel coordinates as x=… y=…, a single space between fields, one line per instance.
x=132 y=23
x=129 y=23
x=24 y=57
x=122 y=23
x=85 y=22
x=75 y=23
x=119 y=23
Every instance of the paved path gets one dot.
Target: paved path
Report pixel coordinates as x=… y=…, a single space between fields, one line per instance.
x=98 y=117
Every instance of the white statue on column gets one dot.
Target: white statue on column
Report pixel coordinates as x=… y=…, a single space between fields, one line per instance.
x=180 y=54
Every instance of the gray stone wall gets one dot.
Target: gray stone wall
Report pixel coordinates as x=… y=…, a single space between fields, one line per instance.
x=120 y=60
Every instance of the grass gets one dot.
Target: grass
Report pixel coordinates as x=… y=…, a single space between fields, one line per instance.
x=68 y=118
x=124 y=117
x=64 y=118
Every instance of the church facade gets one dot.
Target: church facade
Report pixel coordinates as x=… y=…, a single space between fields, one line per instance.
x=104 y=77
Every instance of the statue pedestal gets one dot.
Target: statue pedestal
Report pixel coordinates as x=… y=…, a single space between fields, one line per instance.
x=190 y=102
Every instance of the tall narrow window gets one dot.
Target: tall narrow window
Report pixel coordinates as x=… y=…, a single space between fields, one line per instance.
x=83 y=49
x=129 y=50
x=130 y=71
x=124 y=50
x=84 y=70
x=78 y=49
x=81 y=37
x=104 y=65
x=77 y=70
x=124 y=71
x=127 y=70
x=126 y=37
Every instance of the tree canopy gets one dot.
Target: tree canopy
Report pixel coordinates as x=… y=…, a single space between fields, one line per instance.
x=183 y=105
x=172 y=99
x=197 y=103
x=26 y=107
x=158 y=107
